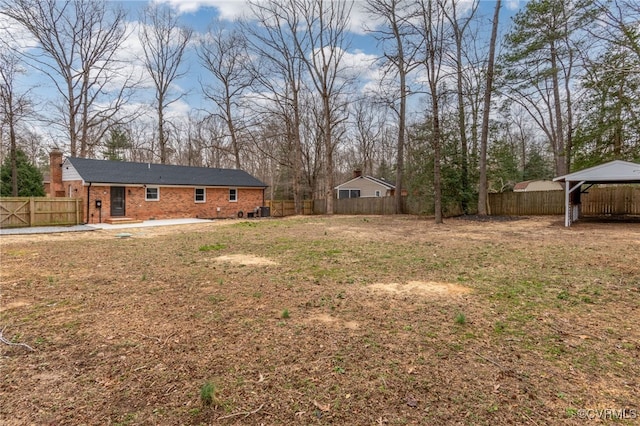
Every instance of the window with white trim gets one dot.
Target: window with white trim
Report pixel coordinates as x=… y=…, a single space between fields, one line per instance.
x=377 y=193
x=233 y=195
x=200 y=195
x=152 y=193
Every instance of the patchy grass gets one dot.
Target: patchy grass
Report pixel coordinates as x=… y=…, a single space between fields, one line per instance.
x=210 y=247
x=397 y=321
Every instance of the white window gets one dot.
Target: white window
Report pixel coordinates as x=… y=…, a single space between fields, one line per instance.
x=233 y=194
x=200 y=195
x=377 y=193
x=152 y=193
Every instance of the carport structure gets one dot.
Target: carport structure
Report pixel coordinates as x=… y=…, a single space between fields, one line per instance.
x=613 y=172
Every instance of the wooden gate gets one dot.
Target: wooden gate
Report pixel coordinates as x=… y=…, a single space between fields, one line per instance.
x=15 y=212
x=19 y=212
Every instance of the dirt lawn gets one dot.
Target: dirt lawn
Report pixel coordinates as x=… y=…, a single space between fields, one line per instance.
x=323 y=320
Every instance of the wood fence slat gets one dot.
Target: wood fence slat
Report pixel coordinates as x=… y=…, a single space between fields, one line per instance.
x=596 y=201
x=39 y=211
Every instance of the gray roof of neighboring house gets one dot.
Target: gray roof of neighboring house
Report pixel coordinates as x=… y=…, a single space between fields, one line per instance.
x=382 y=182
x=121 y=172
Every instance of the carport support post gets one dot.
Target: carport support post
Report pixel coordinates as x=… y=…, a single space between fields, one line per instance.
x=568 y=211
x=567 y=221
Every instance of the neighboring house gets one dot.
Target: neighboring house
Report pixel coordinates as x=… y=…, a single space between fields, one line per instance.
x=537 y=185
x=364 y=186
x=143 y=191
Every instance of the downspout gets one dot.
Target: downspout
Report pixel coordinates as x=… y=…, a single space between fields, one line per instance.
x=88 y=198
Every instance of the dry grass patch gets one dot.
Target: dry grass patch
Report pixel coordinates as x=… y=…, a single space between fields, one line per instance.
x=422 y=288
x=244 y=259
x=322 y=320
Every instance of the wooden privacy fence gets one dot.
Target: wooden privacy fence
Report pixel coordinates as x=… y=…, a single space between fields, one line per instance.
x=363 y=205
x=614 y=200
x=526 y=203
x=596 y=201
x=18 y=212
x=280 y=208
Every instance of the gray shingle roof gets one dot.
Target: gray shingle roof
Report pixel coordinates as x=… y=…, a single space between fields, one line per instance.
x=121 y=172
x=382 y=182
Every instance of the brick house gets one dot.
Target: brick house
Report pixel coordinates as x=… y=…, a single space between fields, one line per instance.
x=114 y=190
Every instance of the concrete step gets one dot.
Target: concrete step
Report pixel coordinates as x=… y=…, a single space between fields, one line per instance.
x=121 y=221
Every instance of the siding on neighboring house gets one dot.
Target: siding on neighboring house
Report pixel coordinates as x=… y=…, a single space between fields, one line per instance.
x=368 y=187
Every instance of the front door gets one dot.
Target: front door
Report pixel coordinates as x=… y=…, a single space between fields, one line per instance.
x=117 y=201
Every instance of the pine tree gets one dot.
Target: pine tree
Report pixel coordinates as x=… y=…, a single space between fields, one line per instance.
x=29 y=177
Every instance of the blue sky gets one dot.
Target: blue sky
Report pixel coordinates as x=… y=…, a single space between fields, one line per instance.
x=199 y=15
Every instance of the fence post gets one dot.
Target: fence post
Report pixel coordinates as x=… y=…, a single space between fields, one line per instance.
x=32 y=211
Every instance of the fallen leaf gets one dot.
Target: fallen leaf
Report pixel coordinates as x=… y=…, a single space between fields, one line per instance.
x=321 y=407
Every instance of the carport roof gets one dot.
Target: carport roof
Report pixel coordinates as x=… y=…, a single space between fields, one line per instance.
x=617 y=171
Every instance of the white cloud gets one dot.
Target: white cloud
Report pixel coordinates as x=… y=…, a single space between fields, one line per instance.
x=359 y=64
x=361 y=21
x=228 y=9
x=514 y=4
x=14 y=35
x=178 y=110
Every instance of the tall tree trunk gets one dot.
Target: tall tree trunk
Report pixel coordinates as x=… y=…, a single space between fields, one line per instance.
x=328 y=155
x=14 y=155
x=560 y=147
x=401 y=137
x=162 y=142
x=73 y=133
x=459 y=27
x=484 y=136
x=437 y=178
x=232 y=133
x=297 y=155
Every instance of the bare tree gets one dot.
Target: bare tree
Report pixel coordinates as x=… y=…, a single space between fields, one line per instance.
x=224 y=55
x=77 y=42
x=325 y=23
x=164 y=42
x=399 y=60
x=484 y=136
x=14 y=107
x=369 y=124
x=433 y=29
x=279 y=77
x=459 y=26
